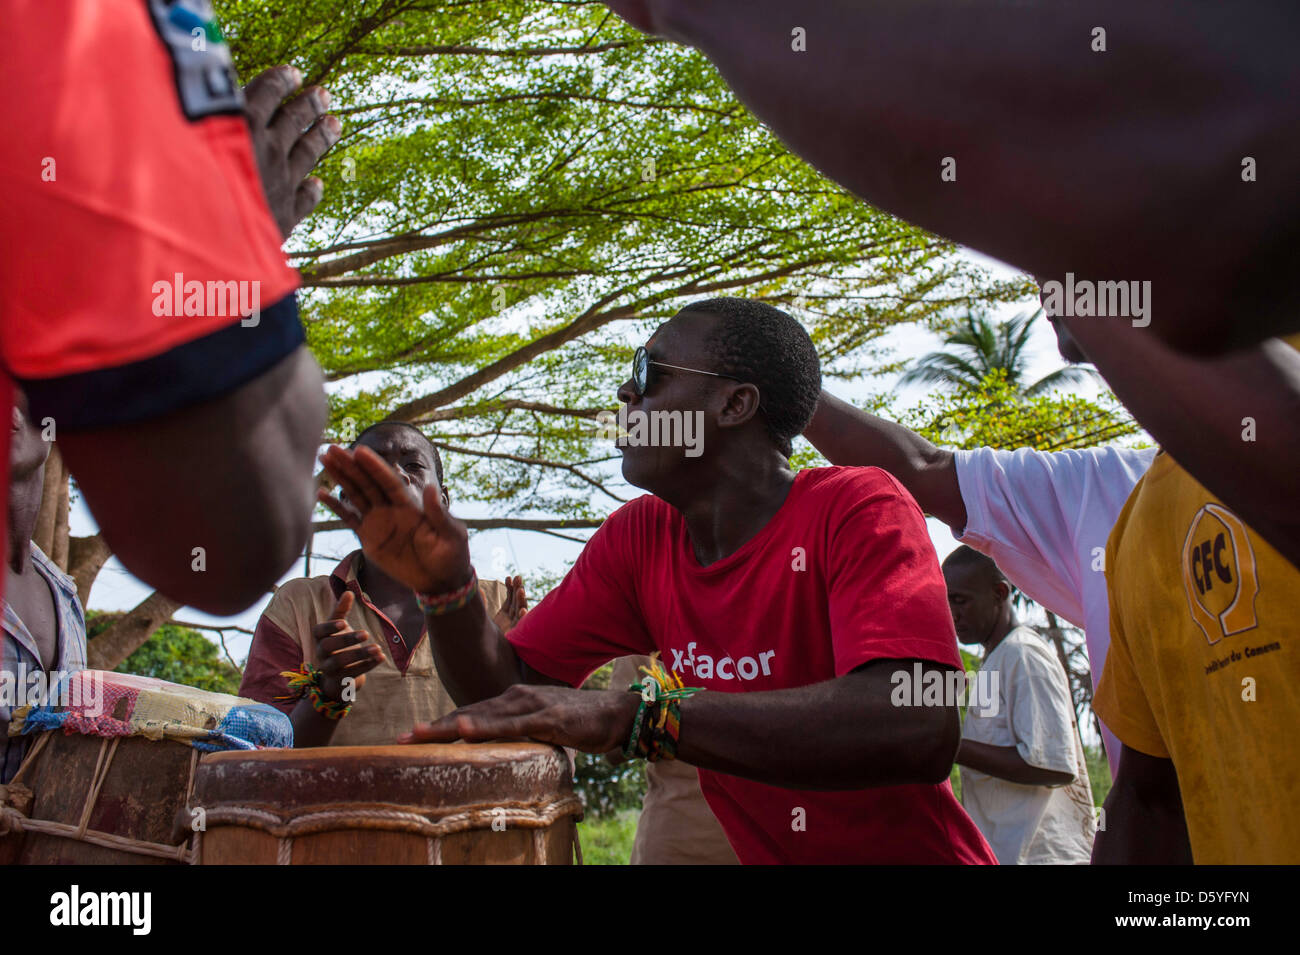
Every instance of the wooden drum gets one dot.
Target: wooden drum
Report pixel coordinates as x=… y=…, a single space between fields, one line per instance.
x=461 y=803
x=111 y=765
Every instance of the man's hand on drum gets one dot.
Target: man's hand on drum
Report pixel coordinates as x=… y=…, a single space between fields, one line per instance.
x=342 y=652
x=414 y=541
x=594 y=721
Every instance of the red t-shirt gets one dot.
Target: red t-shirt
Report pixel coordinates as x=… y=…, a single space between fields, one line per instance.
x=843 y=574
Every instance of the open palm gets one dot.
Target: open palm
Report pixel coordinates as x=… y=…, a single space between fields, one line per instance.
x=413 y=541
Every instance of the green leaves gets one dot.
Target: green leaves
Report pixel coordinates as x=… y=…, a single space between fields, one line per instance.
x=523 y=190
x=997 y=414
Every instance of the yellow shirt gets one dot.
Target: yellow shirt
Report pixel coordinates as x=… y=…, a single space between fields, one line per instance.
x=1204 y=664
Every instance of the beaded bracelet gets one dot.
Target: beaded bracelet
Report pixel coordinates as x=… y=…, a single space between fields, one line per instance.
x=330 y=709
x=435 y=605
x=306 y=680
x=661 y=696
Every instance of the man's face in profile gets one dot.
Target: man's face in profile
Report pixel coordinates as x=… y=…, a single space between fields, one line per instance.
x=680 y=341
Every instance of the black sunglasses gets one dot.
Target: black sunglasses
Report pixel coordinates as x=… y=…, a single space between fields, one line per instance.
x=641 y=363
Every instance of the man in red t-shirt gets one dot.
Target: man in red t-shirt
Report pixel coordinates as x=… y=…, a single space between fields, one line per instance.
x=146 y=309
x=799 y=602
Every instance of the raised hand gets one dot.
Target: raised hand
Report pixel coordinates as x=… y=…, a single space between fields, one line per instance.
x=413 y=541
x=289 y=138
x=516 y=605
x=342 y=652
x=594 y=721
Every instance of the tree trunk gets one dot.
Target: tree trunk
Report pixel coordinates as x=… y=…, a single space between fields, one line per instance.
x=86 y=556
x=130 y=631
x=1054 y=628
x=51 y=534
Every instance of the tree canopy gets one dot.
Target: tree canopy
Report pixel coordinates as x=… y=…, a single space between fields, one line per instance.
x=521 y=188
x=978 y=346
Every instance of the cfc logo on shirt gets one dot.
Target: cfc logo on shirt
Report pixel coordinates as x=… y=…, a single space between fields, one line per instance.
x=1219 y=573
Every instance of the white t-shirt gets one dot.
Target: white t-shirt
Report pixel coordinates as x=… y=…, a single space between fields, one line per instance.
x=1030 y=825
x=1044 y=517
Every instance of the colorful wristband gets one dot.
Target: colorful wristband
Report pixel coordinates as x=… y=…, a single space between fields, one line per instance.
x=306 y=680
x=435 y=605
x=657 y=725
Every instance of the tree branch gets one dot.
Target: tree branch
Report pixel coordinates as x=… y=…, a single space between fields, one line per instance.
x=542 y=525
x=524 y=51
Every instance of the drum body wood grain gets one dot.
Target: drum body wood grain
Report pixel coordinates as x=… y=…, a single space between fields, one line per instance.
x=141 y=790
x=488 y=803
x=111 y=758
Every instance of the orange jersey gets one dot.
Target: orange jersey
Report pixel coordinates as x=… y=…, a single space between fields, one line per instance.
x=140 y=266
x=113 y=190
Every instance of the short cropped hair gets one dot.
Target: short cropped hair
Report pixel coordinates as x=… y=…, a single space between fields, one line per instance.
x=768 y=348
x=966 y=556
x=437 y=458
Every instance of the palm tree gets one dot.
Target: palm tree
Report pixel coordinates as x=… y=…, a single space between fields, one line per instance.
x=980 y=347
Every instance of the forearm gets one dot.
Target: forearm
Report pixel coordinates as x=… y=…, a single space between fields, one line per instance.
x=223 y=487
x=851 y=437
x=1143 y=822
x=840 y=734
x=886 y=91
x=1005 y=762
x=1230 y=422
x=311 y=728
x=474 y=660
x=1134 y=832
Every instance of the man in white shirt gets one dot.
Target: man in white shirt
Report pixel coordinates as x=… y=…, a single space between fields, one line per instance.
x=1024 y=779
x=1042 y=516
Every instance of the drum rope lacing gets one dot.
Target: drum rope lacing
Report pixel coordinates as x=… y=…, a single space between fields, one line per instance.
x=286 y=829
x=13 y=820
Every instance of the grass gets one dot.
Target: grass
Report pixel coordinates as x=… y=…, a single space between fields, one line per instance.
x=1098 y=773
x=607 y=840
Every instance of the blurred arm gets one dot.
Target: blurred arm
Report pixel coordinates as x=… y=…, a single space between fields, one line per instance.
x=1230 y=421
x=1144 y=822
x=232 y=476
x=849 y=436
x=1068 y=157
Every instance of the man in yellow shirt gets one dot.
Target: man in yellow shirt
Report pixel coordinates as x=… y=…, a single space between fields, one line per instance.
x=1202 y=681
x=1202 y=677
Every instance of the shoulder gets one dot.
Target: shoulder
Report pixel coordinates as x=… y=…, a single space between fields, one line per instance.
x=848 y=493
x=51 y=572
x=296 y=600
x=1027 y=647
x=850 y=484
x=301 y=589
x=638 y=516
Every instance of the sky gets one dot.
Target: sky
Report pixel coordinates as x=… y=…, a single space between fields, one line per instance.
x=497 y=553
